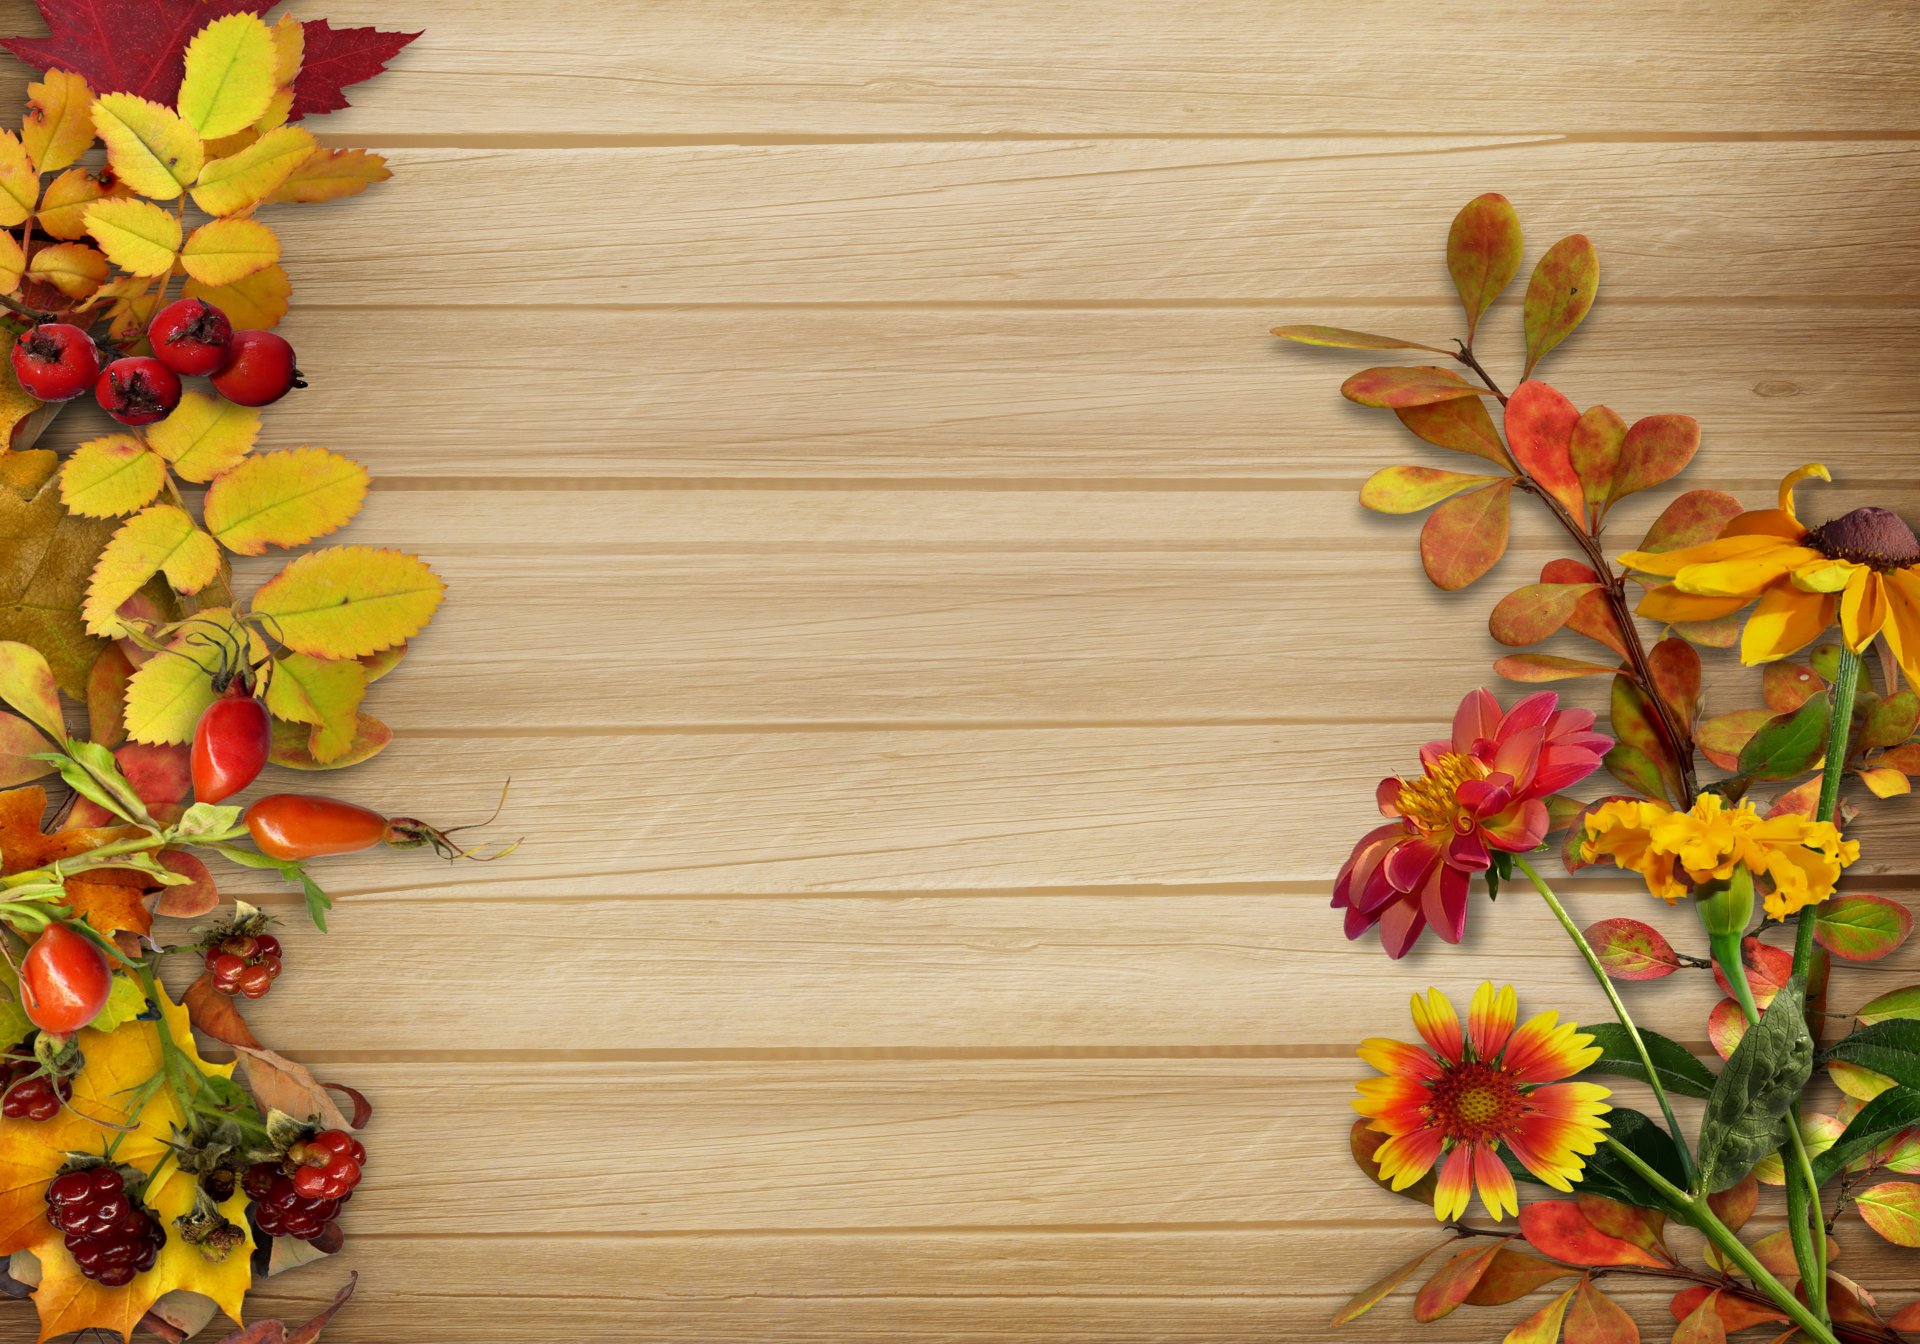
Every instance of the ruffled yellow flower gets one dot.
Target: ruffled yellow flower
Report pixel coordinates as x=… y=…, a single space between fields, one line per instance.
x=1863 y=567
x=1677 y=851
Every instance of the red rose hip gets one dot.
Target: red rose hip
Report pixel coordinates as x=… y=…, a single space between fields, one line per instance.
x=259 y=369
x=137 y=390
x=230 y=745
x=55 y=361
x=191 y=337
x=64 y=981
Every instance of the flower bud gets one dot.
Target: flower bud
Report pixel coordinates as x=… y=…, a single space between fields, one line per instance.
x=1726 y=908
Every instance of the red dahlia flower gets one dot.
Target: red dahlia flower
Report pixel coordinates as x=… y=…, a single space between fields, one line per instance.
x=1483 y=790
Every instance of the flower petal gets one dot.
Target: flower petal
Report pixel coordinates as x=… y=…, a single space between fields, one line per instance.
x=1863 y=608
x=1455 y=1186
x=1496 y=1183
x=1438 y=1025
x=1786 y=619
x=1490 y=1019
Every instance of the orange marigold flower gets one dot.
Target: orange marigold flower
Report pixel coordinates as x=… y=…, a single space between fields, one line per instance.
x=1863 y=567
x=1456 y=1103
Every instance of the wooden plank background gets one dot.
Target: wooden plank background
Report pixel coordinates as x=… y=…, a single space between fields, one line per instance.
x=931 y=634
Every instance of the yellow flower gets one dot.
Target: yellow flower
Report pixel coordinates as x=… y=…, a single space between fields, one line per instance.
x=1863 y=566
x=1676 y=851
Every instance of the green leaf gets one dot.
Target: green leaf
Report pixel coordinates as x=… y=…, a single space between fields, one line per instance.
x=14 y=1023
x=1635 y=769
x=1483 y=253
x=1787 y=745
x=1678 y=1069
x=1747 y=1106
x=1859 y=927
x=125 y=1001
x=1904 y=1002
x=1891 y=1047
x=1562 y=290
x=1891 y=721
x=1896 y=1109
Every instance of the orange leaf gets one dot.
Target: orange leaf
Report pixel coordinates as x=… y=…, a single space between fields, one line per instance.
x=1466 y=536
x=1657 y=449
x=1642 y=1227
x=1540 y=424
x=1449 y=1288
x=1534 y=612
x=1483 y=253
x=1676 y=676
x=1892 y=1209
x=1703 y=1325
x=1562 y=290
x=216 y=1014
x=1535 y=667
x=1341 y=339
x=1630 y=950
x=108 y=899
x=1692 y=518
x=1512 y=1275
x=1595 y=450
x=1595 y=1318
x=1461 y=424
x=1395 y=386
x=1374 y=1293
x=1558 y=1228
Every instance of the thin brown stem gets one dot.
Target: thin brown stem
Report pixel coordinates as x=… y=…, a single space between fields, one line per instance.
x=1466 y=356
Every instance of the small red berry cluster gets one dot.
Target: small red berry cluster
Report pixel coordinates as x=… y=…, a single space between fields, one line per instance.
x=244 y=963
x=110 y=1235
x=57 y=361
x=301 y=1196
x=30 y=1093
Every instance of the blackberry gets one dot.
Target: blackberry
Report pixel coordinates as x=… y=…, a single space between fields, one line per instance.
x=110 y=1235
x=280 y=1210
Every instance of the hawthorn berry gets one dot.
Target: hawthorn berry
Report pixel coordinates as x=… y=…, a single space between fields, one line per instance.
x=259 y=369
x=328 y=1165
x=243 y=963
x=191 y=337
x=137 y=390
x=110 y=1234
x=55 y=361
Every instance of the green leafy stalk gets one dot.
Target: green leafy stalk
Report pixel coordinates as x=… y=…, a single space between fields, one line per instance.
x=1619 y=1008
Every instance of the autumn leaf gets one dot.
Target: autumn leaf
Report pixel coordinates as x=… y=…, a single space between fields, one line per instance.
x=1595 y=451
x=348 y=601
x=1447 y=1289
x=283 y=499
x=1375 y=1293
x=58 y=127
x=228 y=77
x=244 y=179
x=160 y=539
x=169 y=692
x=331 y=174
x=110 y=899
x=1859 y=927
x=293 y=744
x=258 y=301
x=323 y=694
x=74 y=269
x=63 y=205
x=1630 y=950
x=1540 y=425
x=204 y=436
x=1557 y=1228
x=149 y=146
x=1340 y=338
x=1539 y=667
x=1562 y=290
x=1483 y=253
x=1543 y=1327
x=1466 y=536
x=1535 y=612
x=137 y=236
x=226 y=251
x=46 y=555
x=1396 y=386
x=27 y=686
x=1893 y=1210
x=111 y=477
x=1411 y=489
x=336 y=58
x=13 y=262
x=19 y=183
x=1656 y=449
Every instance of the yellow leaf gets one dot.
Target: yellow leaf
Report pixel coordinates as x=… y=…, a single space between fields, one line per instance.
x=329 y=174
x=160 y=539
x=74 y=269
x=250 y=176
x=228 y=250
x=258 y=301
x=58 y=127
x=228 y=145
x=230 y=75
x=349 y=601
x=151 y=148
x=1886 y=782
x=19 y=183
x=289 y=49
x=137 y=236
x=284 y=499
x=106 y=478
x=278 y=113
x=322 y=692
x=13 y=262
x=63 y=207
x=131 y=316
x=170 y=691
x=204 y=436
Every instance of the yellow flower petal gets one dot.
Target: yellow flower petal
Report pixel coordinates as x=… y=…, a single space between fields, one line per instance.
x=1745 y=575
x=1824 y=575
x=1786 y=619
x=1863 y=608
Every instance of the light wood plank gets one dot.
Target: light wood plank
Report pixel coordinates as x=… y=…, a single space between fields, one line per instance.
x=755 y=67
x=1163 y=220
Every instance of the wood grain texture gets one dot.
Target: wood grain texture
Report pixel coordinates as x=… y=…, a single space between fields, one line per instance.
x=933 y=639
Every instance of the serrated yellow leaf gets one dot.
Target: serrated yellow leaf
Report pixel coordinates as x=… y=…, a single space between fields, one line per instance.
x=204 y=436
x=160 y=539
x=289 y=49
x=58 y=127
x=329 y=174
x=63 y=206
x=137 y=236
x=129 y=318
x=241 y=180
x=13 y=262
x=74 y=269
x=229 y=250
x=284 y=499
x=258 y=301
x=229 y=76
x=110 y=477
x=228 y=145
x=349 y=601
x=278 y=113
x=149 y=146
x=324 y=693
x=168 y=693
x=19 y=183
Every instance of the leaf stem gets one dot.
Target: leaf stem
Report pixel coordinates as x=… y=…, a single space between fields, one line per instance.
x=1619 y=1009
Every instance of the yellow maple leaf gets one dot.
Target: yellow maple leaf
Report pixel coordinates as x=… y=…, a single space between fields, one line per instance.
x=204 y=436
x=63 y=206
x=74 y=269
x=110 y=477
x=151 y=148
x=329 y=174
x=258 y=301
x=170 y=691
x=58 y=127
x=229 y=79
x=19 y=182
x=246 y=178
x=160 y=539
x=137 y=236
x=224 y=251
x=283 y=499
x=349 y=601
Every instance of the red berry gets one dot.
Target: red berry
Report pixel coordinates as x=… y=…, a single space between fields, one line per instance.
x=242 y=945
x=64 y=980
x=137 y=390
x=191 y=336
x=225 y=965
x=230 y=745
x=255 y=981
x=110 y=1237
x=259 y=370
x=55 y=361
x=35 y=1097
x=266 y=945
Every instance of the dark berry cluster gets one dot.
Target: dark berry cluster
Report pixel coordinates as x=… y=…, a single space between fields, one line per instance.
x=57 y=361
x=244 y=963
x=27 y=1091
x=301 y=1196
x=110 y=1235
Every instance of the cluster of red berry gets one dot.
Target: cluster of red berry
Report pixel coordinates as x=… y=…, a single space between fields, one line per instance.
x=57 y=361
x=110 y=1235
x=29 y=1092
x=301 y=1196
x=246 y=964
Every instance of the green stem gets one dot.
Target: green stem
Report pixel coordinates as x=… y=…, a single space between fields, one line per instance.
x=1619 y=1009
x=1696 y=1213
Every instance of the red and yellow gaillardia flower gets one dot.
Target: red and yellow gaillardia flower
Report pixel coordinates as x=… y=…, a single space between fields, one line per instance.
x=1481 y=790
x=1863 y=567
x=1456 y=1103
x=1677 y=852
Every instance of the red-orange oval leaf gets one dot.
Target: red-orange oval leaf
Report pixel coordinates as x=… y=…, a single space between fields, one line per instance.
x=1532 y=613
x=1559 y=295
x=1695 y=517
x=1595 y=449
x=1483 y=253
x=1543 y=1327
x=1657 y=449
x=1374 y=1293
x=1630 y=950
x=1556 y=1227
x=1395 y=385
x=1449 y=1288
x=1595 y=1318
x=1676 y=676
x=1466 y=536
x=1892 y=1209
x=1513 y=1274
x=1540 y=425
x=1538 y=667
x=1461 y=424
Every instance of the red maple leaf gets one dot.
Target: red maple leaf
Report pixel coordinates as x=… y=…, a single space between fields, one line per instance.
x=137 y=46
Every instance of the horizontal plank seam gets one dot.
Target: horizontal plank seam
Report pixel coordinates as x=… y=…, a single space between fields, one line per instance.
x=916 y=1229
x=808 y=1054
x=559 y=483
x=590 y=140
x=1086 y=303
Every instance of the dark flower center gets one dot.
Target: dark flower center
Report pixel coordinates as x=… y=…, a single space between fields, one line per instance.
x=1875 y=537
